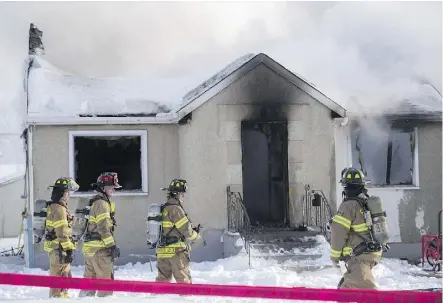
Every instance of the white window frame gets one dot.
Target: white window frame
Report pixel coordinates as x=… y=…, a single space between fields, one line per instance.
x=416 y=167
x=110 y=133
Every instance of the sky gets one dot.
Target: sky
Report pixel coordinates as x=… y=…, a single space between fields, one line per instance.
x=366 y=52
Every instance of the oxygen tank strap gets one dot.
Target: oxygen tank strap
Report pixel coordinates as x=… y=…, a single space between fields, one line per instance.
x=360 y=200
x=89 y=236
x=165 y=239
x=50 y=236
x=383 y=214
x=172 y=240
x=93 y=236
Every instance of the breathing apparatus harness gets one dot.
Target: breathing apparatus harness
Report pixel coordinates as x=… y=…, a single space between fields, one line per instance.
x=50 y=235
x=91 y=236
x=368 y=245
x=165 y=240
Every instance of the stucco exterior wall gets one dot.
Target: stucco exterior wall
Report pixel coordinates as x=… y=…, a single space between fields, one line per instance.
x=418 y=209
x=11 y=208
x=50 y=157
x=203 y=165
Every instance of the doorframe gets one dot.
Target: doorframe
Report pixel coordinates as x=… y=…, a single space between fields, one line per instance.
x=252 y=123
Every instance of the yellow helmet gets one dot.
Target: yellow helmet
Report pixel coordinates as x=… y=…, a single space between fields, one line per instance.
x=66 y=183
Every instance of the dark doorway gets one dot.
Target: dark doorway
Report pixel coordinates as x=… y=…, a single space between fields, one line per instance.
x=265 y=172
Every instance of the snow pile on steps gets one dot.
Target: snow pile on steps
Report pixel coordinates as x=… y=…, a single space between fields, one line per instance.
x=317 y=246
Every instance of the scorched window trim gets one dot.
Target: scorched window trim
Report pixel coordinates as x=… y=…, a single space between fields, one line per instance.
x=415 y=167
x=112 y=133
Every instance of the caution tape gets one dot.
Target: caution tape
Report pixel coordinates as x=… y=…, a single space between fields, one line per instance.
x=238 y=291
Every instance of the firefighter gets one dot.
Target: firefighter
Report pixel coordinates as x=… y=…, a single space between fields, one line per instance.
x=173 y=251
x=351 y=236
x=58 y=225
x=99 y=248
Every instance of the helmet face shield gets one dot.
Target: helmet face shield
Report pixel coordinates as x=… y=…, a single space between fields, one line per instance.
x=72 y=185
x=116 y=184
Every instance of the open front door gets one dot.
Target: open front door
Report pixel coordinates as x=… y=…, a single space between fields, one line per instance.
x=265 y=172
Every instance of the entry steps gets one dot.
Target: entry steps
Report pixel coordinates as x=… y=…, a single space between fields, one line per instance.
x=284 y=245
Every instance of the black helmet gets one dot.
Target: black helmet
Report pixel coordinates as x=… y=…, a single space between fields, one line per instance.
x=65 y=183
x=177 y=186
x=108 y=179
x=354 y=176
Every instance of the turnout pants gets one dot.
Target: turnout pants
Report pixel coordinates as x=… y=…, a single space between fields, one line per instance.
x=100 y=265
x=177 y=266
x=58 y=269
x=359 y=275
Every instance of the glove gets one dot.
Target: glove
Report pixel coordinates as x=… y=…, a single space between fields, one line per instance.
x=115 y=252
x=69 y=256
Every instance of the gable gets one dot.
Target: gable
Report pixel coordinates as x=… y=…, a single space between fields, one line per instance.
x=263 y=86
x=243 y=67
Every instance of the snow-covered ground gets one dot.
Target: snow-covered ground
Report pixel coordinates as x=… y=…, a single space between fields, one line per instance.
x=390 y=274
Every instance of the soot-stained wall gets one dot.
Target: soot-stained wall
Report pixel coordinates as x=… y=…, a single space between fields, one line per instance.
x=210 y=144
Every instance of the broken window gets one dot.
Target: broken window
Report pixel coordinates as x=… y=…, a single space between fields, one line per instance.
x=96 y=154
x=384 y=153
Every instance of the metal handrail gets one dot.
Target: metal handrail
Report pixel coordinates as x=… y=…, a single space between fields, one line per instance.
x=317 y=215
x=238 y=219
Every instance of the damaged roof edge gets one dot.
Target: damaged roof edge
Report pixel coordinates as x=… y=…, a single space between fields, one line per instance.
x=218 y=86
x=196 y=101
x=247 y=66
x=437 y=117
x=37 y=120
x=305 y=86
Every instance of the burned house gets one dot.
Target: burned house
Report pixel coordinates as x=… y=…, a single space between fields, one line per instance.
x=255 y=128
x=261 y=148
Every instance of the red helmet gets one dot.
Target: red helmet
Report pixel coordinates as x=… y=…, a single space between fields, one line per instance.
x=108 y=179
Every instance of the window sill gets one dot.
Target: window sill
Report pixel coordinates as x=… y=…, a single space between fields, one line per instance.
x=116 y=194
x=393 y=187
